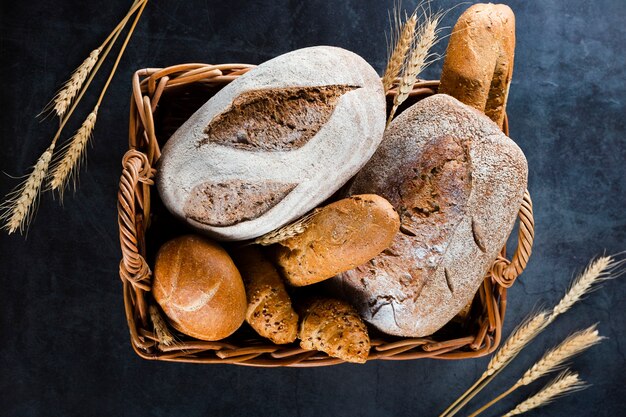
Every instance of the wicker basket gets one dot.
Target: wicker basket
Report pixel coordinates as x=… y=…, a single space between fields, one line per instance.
x=180 y=90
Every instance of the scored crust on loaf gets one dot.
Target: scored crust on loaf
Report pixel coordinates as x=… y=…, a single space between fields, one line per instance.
x=274 y=119
x=331 y=122
x=457 y=182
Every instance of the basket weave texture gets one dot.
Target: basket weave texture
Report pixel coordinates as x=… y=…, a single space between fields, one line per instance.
x=478 y=335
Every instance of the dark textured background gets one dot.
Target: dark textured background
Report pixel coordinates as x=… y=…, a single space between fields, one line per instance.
x=64 y=345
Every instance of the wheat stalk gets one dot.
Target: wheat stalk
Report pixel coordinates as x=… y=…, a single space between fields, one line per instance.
x=551 y=361
x=599 y=270
x=288 y=231
x=67 y=166
x=419 y=58
x=163 y=334
x=398 y=55
x=520 y=337
x=18 y=209
x=564 y=384
x=70 y=89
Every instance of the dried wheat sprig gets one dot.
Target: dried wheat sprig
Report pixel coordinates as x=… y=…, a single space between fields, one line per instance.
x=599 y=270
x=566 y=383
x=596 y=272
x=426 y=36
x=286 y=232
x=162 y=332
x=551 y=361
x=398 y=55
x=62 y=101
x=519 y=338
x=66 y=167
x=18 y=209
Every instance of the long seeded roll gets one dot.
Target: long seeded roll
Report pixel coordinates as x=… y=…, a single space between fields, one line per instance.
x=269 y=310
x=333 y=326
x=478 y=67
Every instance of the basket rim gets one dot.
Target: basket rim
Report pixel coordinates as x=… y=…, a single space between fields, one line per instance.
x=136 y=181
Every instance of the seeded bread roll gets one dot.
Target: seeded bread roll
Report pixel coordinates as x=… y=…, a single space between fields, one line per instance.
x=199 y=288
x=479 y=61
x=333 y=326
x=269 y=311
x=341 y=236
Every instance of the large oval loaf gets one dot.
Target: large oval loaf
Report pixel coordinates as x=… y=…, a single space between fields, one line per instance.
x=274 y=143
x=457 y=183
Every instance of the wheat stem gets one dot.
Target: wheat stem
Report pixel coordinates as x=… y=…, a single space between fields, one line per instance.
x=424 y=39
x=564 y=384
x=67 y=166
x=162 y=332
x=597 y=271
x=551 y=361
x=398 y=55
x=17 y=210
x=519 y=338
x=64 y=98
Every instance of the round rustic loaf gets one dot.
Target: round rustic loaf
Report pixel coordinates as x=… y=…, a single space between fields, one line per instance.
x=339 y=237
x=274 y=143
x=479 y=60
x=199 y=288
x=457 y=183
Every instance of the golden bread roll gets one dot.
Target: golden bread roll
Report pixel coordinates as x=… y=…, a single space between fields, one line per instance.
x=341 y=236
x=479 y=60
x=199 y=288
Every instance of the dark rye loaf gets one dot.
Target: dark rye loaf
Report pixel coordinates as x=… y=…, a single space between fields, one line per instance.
x=457 y=183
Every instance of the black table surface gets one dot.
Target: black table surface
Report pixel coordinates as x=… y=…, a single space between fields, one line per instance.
x=64 y=343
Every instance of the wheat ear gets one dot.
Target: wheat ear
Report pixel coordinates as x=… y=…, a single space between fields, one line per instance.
x=17 y=210
x=551 y=361
x=597 y=271
x=291 y=230
x=567 y=382
x=163 y=334
x=398 y=55
x=419 y=58
x=64 y=98
x=68 y=164
x=520 y=337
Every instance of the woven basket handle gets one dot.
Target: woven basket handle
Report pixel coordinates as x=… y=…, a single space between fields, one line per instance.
x=503 y=271
x=134 y=193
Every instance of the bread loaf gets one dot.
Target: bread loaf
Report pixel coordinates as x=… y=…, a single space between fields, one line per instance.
x=479 y=60
x=269 y=310
x=334 y=327
x=274 y=143
x=339 y=237
x=199 y=288
x=457 y=183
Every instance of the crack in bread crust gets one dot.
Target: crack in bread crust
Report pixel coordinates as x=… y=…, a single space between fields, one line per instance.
x=274 y=119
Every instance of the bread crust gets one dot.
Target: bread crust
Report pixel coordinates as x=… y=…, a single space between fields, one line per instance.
x=269 y=312
x=457 y=182
x=479 y=60
x=199 y=288
x=341 y=236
